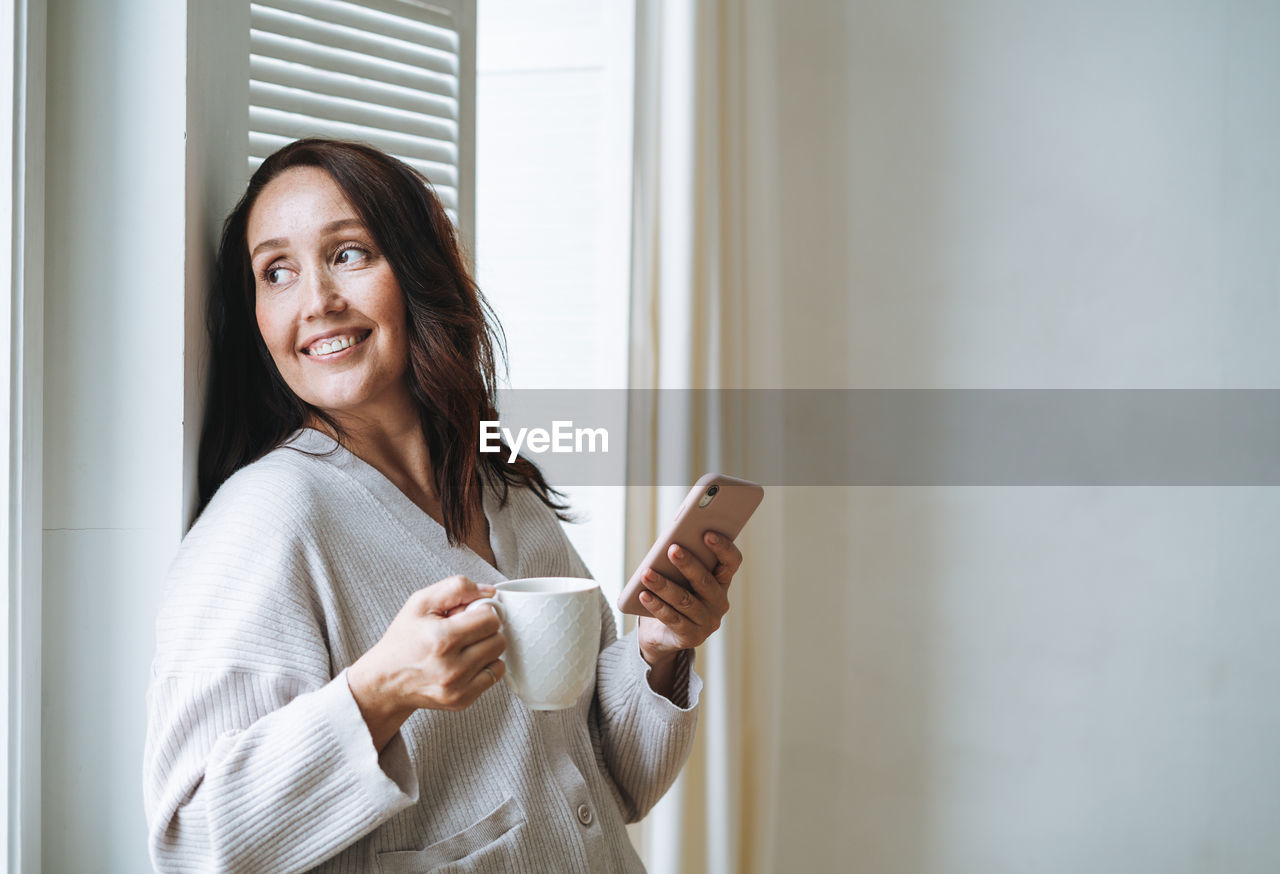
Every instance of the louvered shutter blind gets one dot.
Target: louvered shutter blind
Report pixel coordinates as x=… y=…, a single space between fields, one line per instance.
x=397 y=74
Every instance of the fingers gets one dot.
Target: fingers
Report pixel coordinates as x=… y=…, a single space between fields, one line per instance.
x=467 y=682
x=694 y=612
x=682 y=612
x=483 y=678
x=668 y=615
x=448 y=594
x=679 y=600
x=462 y=677
x=443 y=649
x=728 y=556
x=706 y=586
x=483 y=651
x=488 y=676
x=470 y=626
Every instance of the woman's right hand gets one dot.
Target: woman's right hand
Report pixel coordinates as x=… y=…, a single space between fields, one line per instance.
x=434 y=655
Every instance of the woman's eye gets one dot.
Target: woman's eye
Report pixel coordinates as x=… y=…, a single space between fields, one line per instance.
x=350 y=256
x=276 y=275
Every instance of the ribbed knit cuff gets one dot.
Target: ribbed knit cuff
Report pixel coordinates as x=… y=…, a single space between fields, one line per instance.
x=688 y=685
x=388 y=779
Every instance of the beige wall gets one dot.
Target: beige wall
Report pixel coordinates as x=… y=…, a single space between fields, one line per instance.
x=990 y=194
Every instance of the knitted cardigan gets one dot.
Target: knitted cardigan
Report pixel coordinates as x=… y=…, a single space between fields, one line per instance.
x=257 y=758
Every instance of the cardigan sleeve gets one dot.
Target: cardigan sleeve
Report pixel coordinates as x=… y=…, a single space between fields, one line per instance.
x=644 y=738
x=256 y=758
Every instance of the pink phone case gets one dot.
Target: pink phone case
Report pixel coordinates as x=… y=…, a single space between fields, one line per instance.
x=726 y=511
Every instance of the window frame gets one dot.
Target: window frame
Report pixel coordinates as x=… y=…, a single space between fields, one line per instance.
x=21 y=464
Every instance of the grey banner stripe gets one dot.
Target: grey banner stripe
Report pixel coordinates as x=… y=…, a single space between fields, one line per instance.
x=910 y=437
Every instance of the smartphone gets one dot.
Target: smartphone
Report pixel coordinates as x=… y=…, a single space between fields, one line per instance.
x=715 y=503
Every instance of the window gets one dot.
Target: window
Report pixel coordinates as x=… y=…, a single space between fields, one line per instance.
x=7 y=33
x=553 y=225
x=393 y=73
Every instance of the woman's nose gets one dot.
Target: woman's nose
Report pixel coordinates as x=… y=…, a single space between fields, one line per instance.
x=323 y=296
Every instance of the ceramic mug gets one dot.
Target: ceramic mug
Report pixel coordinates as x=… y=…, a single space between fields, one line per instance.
x=552 y=626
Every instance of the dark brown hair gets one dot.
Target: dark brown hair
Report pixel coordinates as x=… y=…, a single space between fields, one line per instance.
x=451 y=328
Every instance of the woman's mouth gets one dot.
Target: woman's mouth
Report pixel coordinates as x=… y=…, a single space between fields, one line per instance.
x=331 y=347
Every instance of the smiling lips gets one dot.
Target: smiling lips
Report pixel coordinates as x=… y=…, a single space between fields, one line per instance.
x=333 y=345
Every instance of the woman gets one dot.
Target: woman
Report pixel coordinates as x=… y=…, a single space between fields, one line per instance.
x=320 y=699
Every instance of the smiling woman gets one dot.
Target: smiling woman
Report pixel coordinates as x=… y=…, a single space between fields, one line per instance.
x=327 y=302
x=333 y=238
x=315 y=660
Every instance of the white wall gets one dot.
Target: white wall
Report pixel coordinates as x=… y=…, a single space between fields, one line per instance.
x=113 y=378
x=990 y=194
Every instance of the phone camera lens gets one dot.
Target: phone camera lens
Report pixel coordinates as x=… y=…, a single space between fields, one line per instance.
x=708 y=496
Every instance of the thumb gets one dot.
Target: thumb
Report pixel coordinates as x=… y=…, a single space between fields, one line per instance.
x=451 y=593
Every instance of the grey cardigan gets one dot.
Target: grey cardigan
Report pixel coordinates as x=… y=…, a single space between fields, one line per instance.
x=257 y=758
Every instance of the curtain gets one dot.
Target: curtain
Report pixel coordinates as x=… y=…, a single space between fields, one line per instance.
x=704 y=302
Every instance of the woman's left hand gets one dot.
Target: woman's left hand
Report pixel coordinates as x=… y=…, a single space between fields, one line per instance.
x=683 y=619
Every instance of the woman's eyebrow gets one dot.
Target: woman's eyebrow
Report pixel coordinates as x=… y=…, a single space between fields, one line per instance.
x=275 y=242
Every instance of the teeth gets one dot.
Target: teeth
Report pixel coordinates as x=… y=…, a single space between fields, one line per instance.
x=327 y=347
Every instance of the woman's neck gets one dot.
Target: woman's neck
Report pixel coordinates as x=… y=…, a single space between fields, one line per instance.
x=394 y=445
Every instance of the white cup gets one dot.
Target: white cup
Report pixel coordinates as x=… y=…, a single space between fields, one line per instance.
x=552 y=626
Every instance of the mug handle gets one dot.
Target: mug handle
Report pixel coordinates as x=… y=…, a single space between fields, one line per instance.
x=497 y=608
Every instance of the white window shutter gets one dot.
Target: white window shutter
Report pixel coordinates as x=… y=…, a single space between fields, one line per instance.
x=397 y=74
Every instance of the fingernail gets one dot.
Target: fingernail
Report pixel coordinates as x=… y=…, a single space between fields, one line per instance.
x=677 y=552
x=646 y=597
x=713 y=538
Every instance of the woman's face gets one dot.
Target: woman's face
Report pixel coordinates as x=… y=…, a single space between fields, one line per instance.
x=327 y=302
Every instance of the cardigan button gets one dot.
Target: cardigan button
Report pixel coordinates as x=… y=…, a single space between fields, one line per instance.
x=585 y=815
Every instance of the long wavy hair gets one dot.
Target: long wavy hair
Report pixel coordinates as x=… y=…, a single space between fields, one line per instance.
x=452 y=332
